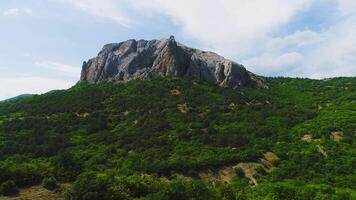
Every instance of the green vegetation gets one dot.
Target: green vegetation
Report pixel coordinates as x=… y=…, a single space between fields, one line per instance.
x=50 y=183
x=153 y=139
x=8 y=187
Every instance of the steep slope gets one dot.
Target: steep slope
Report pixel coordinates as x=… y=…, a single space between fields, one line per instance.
x=177 y=139
x=160 y=58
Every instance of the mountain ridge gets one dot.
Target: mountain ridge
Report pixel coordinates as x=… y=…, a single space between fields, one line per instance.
x=150 y=59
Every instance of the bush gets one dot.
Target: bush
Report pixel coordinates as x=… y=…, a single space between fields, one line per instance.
x=260 y=170
x=8 y=188
x=50 y=183
x=240 y=172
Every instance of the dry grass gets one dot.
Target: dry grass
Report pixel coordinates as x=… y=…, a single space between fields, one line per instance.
x=183 y=108
x=37 y=193
x=175 y=92
x=82 y=114
x=249 y=170
x=224 y=174
x=270 y=156
x=337 y=136
x=227 y=173
x=268 y=159
x=322 y=150
x=309 y=138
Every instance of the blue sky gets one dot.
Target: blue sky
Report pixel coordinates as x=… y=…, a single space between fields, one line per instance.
x=44 y=42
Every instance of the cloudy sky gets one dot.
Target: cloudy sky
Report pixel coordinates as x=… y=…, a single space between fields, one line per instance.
x=44 y=42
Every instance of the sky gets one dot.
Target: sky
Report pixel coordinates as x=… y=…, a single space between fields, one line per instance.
x=43 y=43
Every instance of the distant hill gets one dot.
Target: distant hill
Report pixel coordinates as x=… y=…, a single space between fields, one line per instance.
x=19 y=97
x=180 y=139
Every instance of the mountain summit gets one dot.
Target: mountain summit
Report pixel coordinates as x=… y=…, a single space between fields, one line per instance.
x=147 y=60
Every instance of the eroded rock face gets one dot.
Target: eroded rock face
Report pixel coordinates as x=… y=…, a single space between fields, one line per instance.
x=144 y=59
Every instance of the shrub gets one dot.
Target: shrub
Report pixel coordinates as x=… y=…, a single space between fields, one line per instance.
x=260 y=170
x=8 y=188
x=240 y=172
x=49 y=183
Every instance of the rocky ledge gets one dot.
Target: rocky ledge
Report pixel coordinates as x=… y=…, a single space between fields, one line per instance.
x=147 y=60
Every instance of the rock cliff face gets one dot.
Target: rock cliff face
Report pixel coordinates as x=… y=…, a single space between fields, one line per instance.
x=144 y=59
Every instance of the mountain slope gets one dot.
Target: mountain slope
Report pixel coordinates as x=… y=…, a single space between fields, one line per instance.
x=171 y=138
x=19 y=97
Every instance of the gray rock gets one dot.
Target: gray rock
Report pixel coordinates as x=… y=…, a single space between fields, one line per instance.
x=144 y=59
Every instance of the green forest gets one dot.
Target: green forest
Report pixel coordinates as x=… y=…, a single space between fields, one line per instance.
x=178 y=139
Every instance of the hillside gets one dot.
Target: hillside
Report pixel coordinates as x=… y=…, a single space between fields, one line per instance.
x=175 y=138
x=19 y=97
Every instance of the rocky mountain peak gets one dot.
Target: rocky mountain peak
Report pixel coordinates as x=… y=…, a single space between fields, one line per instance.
x=149 y=59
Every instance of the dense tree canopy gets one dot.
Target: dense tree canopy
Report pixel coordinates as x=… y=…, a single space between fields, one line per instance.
x=152 y=139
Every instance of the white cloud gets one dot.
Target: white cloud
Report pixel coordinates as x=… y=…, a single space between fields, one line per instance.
x=281 y=64
x=17 y=11
x=230 y=27
x=334 y=56
x=327 y=53
x=30 y=85
x=60 y=68
x=298 y=39
x=245 y=31
x=248 y=31
x=285 y=56
x=27 y=54
x=11 y=11
x=347 y=7
x=106 y=9
x=226 y=26
x=28 y=11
